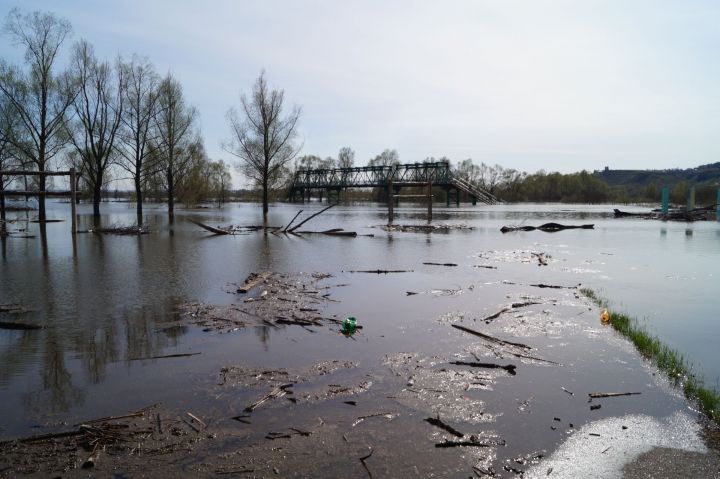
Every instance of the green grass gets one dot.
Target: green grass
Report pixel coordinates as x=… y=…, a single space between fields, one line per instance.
x=665 y=358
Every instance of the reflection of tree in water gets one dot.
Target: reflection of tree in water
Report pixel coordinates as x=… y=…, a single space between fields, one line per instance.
x=263 y=333
x=57 y=392
x=149 y=330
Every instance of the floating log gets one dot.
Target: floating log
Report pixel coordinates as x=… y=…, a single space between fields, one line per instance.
x=19 y=326
x=181 y=355
x=609 y=395
x=292 y=220
x=474 y=443
x=381 y=271
x=510 y=368
x=547 y=227
x=440 y=264
x=212 y=229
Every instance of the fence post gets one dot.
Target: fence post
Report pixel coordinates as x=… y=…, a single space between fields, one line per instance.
x=72 y=201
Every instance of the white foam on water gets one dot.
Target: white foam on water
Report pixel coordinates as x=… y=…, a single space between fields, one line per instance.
x=604 y=456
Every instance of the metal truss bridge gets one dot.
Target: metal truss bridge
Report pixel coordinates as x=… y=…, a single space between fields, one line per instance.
x=395 y=177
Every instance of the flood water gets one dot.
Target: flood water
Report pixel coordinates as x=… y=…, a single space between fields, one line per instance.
x=103 y=299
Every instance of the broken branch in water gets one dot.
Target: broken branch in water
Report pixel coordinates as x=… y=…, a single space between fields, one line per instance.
x=490 y=338
x=446 y=427
x=292 y=220
x=180 y=355
x=609 y=395
x=22 y=326
x=277 y=392
x=474 y=442
x=381 y=271
x=311 y=217
x=212 y=229
x=363 y=459
x=510 y=368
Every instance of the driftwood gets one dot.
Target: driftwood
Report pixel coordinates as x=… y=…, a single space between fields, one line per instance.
x=609 y=395
x=381 y=271
x=252 y=281
x=212 y=229
x=510 y=368
x=277 y=392
x=20 y=326
x=12 y=308
x=332 y=232
x=440 y=264
x=292 y=220
x=506 y=309
x=121 y=230
x=472 y=443
x=547 y=227
x=182 y=355
x=446 y=427
x=489 y=338
x=311 y=217
x=365 y=458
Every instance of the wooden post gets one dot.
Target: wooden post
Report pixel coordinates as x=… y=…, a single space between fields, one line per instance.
x=391 y=201
x=429 y=201
x=72 y=201
x=691 y=199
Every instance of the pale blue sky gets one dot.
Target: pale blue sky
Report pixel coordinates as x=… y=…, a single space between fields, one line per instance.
x=558 y=85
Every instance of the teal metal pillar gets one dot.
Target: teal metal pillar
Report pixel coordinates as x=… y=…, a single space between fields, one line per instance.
x=717 y=205
x=665 y=200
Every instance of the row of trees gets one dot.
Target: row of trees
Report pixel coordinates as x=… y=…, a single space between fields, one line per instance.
x=100 y=117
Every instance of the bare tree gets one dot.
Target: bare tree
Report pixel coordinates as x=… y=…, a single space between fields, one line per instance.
x=346 y=157
x=177 y=140
x=137 y=136
x=98 y=109
x=262 y=137
x=39 y=97
x=386 y=158
x=8 y=159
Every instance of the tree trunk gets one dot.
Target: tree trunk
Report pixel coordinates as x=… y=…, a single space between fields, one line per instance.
x=97 y=192
x=139 y=198
x=171 y=193
x=41 y=197
x=265 y=197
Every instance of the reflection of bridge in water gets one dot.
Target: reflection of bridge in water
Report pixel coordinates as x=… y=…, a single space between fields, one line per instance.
x=436 y=174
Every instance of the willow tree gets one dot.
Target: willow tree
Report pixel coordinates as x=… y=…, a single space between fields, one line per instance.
x=39 y=97
x=263 y=137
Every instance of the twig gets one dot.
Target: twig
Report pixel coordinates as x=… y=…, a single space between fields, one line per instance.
x=363 y=459
x=197 y=419
x=279 y=391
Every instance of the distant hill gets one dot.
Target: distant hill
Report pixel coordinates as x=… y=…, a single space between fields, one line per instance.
x=701 y=175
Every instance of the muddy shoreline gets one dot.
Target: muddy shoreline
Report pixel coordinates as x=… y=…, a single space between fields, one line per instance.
x=500 y=403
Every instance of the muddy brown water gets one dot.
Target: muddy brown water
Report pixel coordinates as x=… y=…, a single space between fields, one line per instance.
x=107 y=302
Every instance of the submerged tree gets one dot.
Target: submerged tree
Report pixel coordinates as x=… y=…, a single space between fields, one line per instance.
x=98 y=109
x=263 y=137
x=39 y=98
x=177 y=140
x=137 y=135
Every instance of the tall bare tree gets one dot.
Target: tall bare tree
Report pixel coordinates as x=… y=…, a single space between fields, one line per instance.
x=98 y=110
x=177 y=139
x=346 y=157
x=262 y=137
x=137 y=137
x=39 y=97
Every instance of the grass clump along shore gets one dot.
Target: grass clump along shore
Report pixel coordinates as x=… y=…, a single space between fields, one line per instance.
x=665 y=358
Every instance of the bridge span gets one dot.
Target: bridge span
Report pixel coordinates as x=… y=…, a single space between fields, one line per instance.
x=437 y=174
